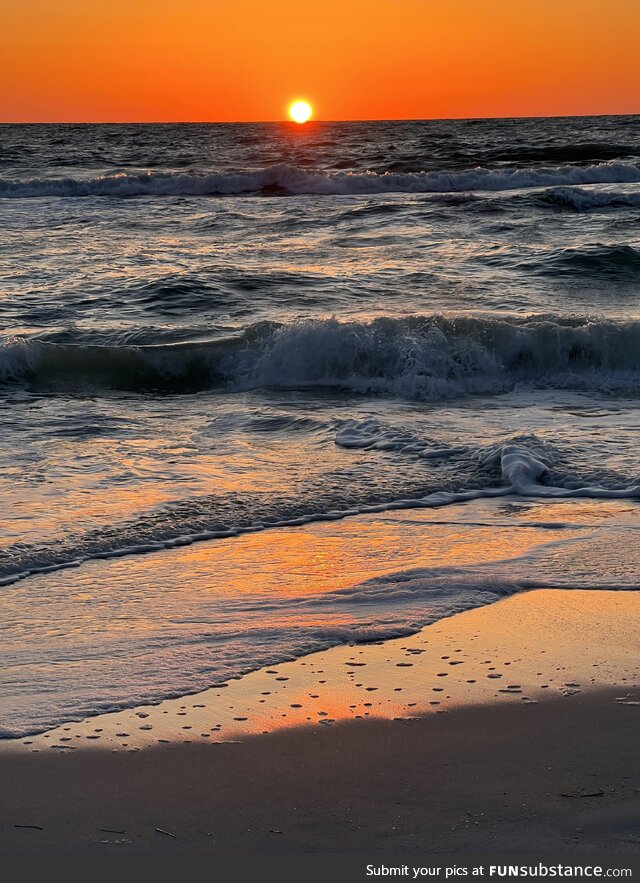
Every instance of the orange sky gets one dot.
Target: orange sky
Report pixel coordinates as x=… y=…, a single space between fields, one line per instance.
x=145 y=60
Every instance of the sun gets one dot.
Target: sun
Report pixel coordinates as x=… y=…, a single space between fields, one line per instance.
x=300 y=111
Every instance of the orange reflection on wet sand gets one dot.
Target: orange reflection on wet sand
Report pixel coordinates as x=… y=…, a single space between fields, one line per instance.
x=327 y=557
x=543 y=644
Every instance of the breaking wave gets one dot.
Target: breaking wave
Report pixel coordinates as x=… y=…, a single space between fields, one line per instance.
x=423 y=357
x=292 y=180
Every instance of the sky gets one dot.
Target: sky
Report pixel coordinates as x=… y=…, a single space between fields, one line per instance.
x=232 y=60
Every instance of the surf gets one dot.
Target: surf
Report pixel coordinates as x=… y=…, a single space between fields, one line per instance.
x=292 y=180
x=430 y=358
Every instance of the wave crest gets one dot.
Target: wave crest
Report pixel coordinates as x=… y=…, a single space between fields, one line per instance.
x=578 y=200
x=425 y=357
x=610 y=262
x=292 y=180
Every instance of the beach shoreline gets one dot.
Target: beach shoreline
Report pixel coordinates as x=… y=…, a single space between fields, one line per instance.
x=506 y=767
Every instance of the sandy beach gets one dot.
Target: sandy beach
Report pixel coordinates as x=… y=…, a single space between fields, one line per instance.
x=510 y=726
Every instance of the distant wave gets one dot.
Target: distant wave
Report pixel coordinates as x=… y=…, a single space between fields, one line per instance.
x=422 y=357
x=617 y=262
x=286 y=179
x=579 y=200
x=603 y=259
x=489 y=154
x=596 y=151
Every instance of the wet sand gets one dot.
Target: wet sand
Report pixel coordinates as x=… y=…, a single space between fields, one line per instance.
x=513 y=725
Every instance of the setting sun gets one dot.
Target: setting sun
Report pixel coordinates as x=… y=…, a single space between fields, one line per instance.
x=300 y=111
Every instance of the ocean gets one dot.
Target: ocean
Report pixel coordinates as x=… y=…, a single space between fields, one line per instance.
x=266 y=388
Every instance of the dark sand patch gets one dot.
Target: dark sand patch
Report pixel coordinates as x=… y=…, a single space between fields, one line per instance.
x=555 y=774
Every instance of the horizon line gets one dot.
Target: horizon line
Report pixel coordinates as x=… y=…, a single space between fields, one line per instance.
x=284 y=120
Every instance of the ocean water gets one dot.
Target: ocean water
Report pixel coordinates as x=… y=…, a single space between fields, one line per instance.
x=228 y=353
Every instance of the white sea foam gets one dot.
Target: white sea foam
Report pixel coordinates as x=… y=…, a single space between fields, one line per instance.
x=422 y=357
x=296 y=181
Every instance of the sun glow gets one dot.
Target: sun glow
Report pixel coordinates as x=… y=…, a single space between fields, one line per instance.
x=300 y=111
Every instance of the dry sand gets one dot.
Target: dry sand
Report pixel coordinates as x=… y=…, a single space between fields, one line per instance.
x=535 y=745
